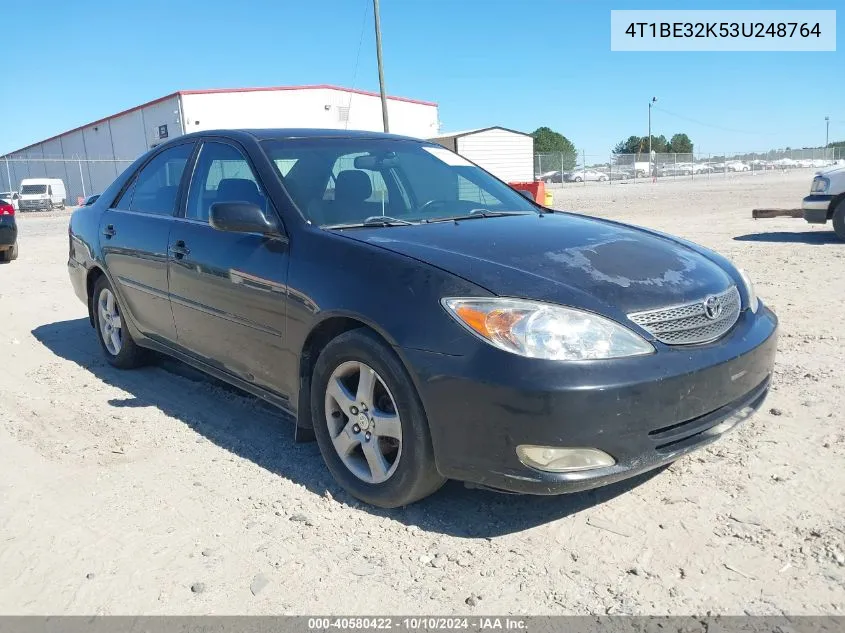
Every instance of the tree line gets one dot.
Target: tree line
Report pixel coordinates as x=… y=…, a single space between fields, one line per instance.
x=562 y=155
x=679 y=144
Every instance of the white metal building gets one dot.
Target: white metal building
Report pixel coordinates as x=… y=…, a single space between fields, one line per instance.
x=90 y=157
x=507 y=154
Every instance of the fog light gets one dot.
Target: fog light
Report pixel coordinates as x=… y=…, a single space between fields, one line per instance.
x=563 y=460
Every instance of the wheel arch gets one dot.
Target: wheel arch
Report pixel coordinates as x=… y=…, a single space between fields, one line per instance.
x=831 y=208
x=91 y=278
x=324 y=331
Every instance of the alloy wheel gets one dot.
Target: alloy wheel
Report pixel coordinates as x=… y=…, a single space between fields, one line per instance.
x=363 y=422
x=111 y=324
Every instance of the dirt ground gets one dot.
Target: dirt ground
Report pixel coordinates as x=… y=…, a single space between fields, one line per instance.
x=159 y=492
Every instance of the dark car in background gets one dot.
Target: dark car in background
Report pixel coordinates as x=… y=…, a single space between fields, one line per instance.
x=8 y=231
x=423 y=320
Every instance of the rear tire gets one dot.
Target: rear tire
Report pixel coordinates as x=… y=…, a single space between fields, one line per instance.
x=344 y=436
x=839 y=219
x=110 y=325
x=12 y=253
x=6 y=256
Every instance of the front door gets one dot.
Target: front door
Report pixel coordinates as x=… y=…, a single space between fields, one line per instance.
x=133 y=237
x=228 y=290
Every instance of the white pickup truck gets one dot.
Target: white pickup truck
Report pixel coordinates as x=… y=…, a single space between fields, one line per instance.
x=827 y=199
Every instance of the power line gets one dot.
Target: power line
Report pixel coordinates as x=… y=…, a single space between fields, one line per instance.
x=710 y=125
x=357 y=59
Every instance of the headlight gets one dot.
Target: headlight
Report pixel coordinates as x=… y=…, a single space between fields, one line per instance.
x=542 y=330
x=819 y=185
x=753 y=302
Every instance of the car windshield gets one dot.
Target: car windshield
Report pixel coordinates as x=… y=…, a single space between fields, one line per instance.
x=32 y=189
x=343 y=181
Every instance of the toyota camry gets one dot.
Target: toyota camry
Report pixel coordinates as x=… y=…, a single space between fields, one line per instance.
x=418 y=317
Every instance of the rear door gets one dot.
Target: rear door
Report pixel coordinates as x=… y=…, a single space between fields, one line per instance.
x=133 y=239
x=228 y=290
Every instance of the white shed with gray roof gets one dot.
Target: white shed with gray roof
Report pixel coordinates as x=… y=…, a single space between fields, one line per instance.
x=505 y=153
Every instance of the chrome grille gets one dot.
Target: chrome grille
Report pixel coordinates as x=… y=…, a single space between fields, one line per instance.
x=689 y=323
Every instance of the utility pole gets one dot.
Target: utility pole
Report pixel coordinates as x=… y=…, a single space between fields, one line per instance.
x=826 y=131
x=650 y=166
x=380 y=67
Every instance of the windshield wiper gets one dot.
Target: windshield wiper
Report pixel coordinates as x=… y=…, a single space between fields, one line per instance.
x=384 y=220
x=373 y=220
x=475 y=214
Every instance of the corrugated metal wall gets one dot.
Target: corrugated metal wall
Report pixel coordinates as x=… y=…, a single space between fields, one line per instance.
x=96 y=154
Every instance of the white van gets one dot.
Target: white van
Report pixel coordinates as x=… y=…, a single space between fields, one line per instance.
x=41 y=193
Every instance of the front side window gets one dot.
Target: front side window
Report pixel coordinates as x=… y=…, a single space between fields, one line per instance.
x=222 y=174
x=157 y=185
x=337 y=181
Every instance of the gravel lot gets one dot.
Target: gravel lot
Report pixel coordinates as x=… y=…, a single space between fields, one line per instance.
x=158 y=491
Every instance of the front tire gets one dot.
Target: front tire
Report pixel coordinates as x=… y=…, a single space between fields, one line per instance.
x=839 y=219
x=115 y=340
x=370 y=424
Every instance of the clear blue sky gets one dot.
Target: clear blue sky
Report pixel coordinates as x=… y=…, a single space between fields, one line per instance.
x=486 y=62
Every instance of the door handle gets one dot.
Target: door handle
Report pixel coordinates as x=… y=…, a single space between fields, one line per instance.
x=109 y=231
x=179 y=250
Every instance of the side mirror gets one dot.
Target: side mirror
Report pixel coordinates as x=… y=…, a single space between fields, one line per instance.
x=241 y=217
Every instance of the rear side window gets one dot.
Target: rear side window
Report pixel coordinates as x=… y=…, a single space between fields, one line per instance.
x=157 y=185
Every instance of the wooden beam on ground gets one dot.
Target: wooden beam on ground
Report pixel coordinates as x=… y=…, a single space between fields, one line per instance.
x=777 y=213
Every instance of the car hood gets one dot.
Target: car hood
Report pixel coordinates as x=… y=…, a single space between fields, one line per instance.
x=561 y=258
x=831 y=170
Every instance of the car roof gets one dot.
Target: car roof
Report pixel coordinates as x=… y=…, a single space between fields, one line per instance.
x=299 y=133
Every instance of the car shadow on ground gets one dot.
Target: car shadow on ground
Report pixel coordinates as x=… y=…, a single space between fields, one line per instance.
x=247 y=427
x=801 y=237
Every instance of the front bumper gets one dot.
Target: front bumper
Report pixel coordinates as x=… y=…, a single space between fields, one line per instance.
x=644 y=411
x=816 y=208
x=33 y=205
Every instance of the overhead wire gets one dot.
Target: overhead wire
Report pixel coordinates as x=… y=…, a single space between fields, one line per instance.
x=357 y=60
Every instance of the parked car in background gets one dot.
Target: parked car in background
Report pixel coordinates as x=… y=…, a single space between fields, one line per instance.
x=827 y=199
x=42 y=194
x=737 y=165
x=8 y=231
x=620 y=173
x=392 y=326
x=553 y=176
x=702 y=168
x=672 y=169
x=584 y=175
x=11 y=197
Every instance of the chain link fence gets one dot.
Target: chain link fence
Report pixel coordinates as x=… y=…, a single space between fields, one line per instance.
x=567 y=167
x=82 y=177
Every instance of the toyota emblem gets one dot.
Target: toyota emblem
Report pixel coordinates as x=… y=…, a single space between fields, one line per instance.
x=712 y=308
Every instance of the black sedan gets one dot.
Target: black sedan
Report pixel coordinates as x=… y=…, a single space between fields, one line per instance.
x=8 y=232
x=419 y=317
